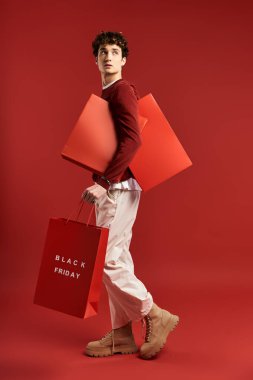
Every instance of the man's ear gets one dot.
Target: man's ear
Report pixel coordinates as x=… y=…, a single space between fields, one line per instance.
x=124 y=61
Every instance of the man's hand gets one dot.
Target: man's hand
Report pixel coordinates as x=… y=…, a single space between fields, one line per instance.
x=93 y=193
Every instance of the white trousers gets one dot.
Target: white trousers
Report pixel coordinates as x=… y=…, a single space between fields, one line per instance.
x=128 y=297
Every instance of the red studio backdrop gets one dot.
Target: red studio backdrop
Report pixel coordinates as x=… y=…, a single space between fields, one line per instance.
x=192 y=239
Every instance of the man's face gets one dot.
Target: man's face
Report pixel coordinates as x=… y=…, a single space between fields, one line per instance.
x=110 y=59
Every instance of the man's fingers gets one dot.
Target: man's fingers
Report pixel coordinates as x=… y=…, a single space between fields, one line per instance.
x=93 y=193
x=88 y=197
x=84 y=194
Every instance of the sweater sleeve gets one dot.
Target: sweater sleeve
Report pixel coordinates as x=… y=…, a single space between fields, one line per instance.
x=124 y=110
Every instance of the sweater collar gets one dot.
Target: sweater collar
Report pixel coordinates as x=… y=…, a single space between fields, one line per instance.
x=110 y=84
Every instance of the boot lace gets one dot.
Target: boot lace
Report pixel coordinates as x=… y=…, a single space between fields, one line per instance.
x=147 y=321
x=109 y=334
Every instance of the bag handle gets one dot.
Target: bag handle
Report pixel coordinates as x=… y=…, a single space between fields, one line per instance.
x=81 y=203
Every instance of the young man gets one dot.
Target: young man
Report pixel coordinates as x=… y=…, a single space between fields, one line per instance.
x=116 y=195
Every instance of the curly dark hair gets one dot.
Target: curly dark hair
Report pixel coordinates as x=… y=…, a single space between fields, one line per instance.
x=110 y=38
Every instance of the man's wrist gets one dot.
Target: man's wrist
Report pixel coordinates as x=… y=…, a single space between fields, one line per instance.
x=103 y=181
x=106 y=180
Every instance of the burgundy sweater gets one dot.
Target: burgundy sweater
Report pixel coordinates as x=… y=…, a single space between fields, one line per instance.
x=122 y=97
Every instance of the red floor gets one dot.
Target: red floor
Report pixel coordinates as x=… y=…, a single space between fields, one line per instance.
x=212 y=341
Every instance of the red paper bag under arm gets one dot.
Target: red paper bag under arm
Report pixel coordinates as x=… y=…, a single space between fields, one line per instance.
x=161 y=154
x=93 y=142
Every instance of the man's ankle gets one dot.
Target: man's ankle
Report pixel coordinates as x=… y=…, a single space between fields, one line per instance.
x=128 y=324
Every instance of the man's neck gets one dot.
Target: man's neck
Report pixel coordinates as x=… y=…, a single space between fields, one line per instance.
x=109 y=84
x=107 y=80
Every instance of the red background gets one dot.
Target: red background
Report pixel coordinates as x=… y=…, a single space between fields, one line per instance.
x=192 y=240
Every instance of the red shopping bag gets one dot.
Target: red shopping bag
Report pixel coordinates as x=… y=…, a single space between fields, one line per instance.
x=71 y=270
x=161 y=152
x=93 y=142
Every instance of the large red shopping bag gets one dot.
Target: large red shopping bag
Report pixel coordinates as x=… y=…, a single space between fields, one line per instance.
x=93 y=142
x=161 y=154
x=71 y=270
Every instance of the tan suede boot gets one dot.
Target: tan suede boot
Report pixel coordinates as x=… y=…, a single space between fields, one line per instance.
x=159 y=323
x=119 y=340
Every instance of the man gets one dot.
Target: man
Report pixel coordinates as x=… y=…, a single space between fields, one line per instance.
x=116 y=195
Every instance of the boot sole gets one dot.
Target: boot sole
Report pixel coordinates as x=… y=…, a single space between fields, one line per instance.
x=108 y=352
x=171 y=325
